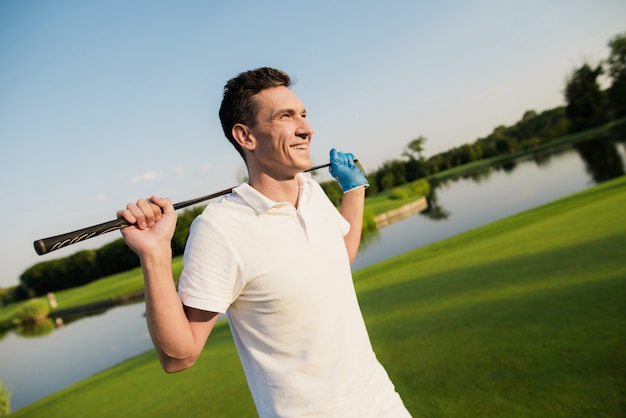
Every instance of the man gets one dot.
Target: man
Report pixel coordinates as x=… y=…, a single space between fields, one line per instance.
x=275 y=256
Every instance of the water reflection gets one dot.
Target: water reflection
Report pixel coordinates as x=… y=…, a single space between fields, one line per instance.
x=600 y=155
x=602 y=161
x=35 y=328
x=60 y=318
x=435 y=212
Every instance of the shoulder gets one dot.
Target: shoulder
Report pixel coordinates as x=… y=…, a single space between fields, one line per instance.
x=218 y=214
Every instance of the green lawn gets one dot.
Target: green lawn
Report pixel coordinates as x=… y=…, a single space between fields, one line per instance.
x=115 y=286
x=521 y=318
x=392 y=199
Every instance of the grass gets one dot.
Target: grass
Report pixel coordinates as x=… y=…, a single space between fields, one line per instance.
x=521 y=318
x=391 y=199
x=115 y=286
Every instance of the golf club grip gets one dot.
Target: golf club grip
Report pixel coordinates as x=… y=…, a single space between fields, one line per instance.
x=47 y=245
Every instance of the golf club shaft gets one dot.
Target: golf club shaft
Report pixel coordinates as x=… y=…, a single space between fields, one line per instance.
x=47 y=245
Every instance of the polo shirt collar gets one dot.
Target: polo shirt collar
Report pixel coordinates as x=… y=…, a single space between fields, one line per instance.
x=262 y=204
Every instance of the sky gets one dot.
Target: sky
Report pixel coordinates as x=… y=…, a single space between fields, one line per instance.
x=106 y=102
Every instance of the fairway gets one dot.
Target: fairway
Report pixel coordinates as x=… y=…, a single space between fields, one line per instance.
x=524 y=317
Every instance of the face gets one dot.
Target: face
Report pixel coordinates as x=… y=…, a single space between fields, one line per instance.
x=281 y=137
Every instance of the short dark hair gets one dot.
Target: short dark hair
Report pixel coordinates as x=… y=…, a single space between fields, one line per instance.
x=238 y=104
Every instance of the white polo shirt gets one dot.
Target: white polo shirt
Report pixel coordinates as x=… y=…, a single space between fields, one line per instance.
x=283 y=276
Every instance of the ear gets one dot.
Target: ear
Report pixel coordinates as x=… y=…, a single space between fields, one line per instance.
x=244 y=137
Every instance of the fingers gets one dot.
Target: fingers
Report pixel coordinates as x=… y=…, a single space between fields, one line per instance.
x=341 y=158
x=164 y=204
x=332 y=159
x=146 y=212
x=349 y=160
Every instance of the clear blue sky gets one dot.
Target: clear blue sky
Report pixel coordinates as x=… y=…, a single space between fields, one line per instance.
x=103 y=102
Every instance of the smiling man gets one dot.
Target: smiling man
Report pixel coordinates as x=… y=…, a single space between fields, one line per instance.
x=274 y=255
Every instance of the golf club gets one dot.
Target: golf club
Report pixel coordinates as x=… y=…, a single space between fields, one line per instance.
x=47 y=245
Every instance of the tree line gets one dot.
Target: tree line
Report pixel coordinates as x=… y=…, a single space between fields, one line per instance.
x=586 y=105
x=86 y=266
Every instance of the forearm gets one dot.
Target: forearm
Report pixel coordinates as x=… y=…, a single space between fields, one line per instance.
x=352 y=210
x=178 y=333
x=168 y=325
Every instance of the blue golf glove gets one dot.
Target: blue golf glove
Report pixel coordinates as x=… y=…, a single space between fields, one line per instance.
x=346 y=171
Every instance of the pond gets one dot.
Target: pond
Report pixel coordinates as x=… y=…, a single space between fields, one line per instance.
x=492 y=194
x=35 y=367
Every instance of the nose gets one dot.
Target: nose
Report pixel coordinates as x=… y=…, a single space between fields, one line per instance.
x=304 y=130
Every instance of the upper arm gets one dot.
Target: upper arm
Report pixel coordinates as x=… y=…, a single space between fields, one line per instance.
x=201 y=323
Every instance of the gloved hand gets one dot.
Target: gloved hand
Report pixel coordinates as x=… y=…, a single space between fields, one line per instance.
x=347 y=173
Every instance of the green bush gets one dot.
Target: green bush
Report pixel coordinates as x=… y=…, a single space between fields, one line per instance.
x=333 y=191
x=420 y=187
x=32 y=312
x=369 y=222
x=5 y=400
x=399 y=194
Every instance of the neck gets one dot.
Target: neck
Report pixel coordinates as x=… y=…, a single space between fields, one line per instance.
x=278 y=190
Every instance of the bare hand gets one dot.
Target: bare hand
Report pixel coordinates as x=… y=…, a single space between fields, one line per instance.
x=153 y=222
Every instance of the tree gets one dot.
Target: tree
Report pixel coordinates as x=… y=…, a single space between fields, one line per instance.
x=585 y=102
x=617 y=71
x=391 y=174
x=63 y=273
x=116 y=257
x=183 y=227
x=416 y=166
x=415 y=148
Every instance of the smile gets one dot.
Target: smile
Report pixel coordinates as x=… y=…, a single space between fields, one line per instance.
x=300 y=146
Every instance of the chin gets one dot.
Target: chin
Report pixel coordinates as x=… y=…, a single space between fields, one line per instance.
x=306 y=165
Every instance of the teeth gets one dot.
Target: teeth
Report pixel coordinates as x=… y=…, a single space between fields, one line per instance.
x=301 y=146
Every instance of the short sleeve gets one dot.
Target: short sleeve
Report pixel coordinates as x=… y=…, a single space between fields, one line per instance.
x=211 y=276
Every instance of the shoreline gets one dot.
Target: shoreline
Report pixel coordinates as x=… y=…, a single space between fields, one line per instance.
x=404 y=211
